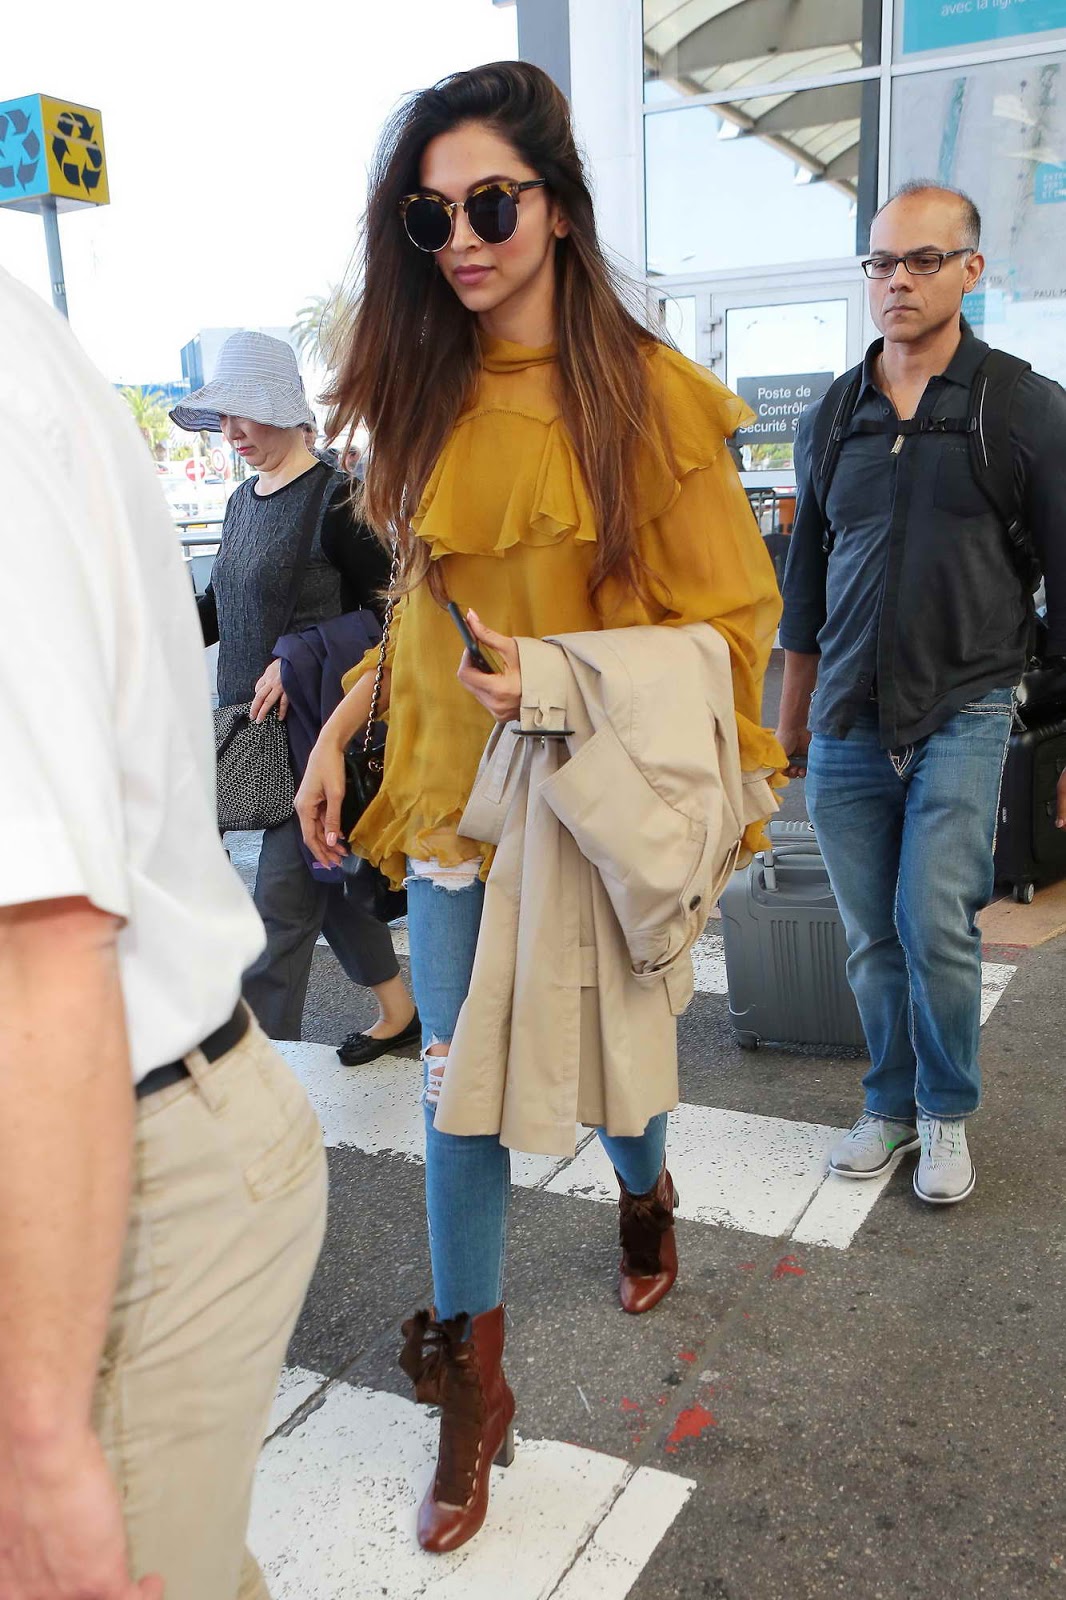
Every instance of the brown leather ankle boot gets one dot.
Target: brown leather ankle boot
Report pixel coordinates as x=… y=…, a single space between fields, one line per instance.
x=457 y=1365
x=649 y=1248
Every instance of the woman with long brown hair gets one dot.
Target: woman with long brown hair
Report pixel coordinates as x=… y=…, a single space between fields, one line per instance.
x=544 y=461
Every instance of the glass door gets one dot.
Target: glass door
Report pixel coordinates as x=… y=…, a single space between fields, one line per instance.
x=780 y=349
x=778 y=346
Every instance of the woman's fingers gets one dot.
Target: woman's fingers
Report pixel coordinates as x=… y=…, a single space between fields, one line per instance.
x=502 y=645
x=265 y=698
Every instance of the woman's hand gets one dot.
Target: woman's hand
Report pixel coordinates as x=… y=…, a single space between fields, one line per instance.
x=499 y=692
x=318 y=802
x=268 y=692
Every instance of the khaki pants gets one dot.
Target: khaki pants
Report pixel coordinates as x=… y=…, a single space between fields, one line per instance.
x=226 y=1222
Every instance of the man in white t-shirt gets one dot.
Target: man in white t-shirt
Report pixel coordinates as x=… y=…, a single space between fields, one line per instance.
x=156 y=1235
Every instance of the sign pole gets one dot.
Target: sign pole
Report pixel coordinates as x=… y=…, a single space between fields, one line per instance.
x=55 y=254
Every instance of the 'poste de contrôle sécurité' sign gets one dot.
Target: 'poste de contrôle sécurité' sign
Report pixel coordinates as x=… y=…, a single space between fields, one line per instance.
x=778 y=403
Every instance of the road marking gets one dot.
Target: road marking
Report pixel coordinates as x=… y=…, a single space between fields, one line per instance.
x=763 y=1175
x=564 y=1523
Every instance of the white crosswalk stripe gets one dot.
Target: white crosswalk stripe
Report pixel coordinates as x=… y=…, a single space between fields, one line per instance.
x=734 y=1169
x=340 y=1479
x=333 y=1516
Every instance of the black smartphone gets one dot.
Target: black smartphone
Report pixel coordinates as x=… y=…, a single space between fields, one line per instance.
x=481 y=662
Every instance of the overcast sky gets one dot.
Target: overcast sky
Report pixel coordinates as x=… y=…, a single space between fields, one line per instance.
x=237 y=140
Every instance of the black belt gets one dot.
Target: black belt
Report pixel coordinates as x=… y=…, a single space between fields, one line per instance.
x=215 y=1045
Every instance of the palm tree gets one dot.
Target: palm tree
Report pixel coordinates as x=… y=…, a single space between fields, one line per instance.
x=318 y=324
x=149 y=411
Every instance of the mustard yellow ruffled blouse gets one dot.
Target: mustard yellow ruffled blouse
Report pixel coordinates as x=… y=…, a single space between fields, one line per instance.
x=507 y=514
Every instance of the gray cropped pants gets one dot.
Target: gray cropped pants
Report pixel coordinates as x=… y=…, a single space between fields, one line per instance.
x=295 y=909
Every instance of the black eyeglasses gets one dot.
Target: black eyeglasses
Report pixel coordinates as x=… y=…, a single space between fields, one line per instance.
x=919 y=263
x=491 y=210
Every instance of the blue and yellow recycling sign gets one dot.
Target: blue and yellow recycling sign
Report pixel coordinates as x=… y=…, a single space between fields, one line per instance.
x=51 y=147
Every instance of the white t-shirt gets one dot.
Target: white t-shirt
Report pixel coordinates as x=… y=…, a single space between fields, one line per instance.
x=107 y=770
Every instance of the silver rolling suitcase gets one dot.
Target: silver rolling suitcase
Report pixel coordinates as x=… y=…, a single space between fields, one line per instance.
x=785 y=949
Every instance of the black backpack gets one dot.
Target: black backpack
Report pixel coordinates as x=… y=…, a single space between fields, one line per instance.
x=987 y=430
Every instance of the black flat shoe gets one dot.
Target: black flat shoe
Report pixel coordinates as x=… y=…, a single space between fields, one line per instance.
x=359 y=1048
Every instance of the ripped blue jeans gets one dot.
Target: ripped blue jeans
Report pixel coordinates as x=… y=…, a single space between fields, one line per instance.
x=907 y=838
x=468 y=1177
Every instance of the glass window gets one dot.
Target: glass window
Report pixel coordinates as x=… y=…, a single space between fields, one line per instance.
x=700 y=46
x=781 y=359
x=998 y=132
x=678 y=314
x=761 y=182
x=951 y=26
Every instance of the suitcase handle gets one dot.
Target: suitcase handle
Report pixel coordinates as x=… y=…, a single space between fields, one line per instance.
x=782 y=852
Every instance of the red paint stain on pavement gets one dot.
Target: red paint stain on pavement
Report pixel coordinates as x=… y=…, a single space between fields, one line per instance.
x=631 y=1405
x=693 y=1421
x=747 y=1266
x=686 y=1355
x=788 y=1266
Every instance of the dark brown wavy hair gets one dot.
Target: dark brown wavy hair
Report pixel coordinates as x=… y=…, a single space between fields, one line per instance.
x=409 y=358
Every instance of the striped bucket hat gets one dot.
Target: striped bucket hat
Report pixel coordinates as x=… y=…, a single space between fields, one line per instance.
x=257 y=377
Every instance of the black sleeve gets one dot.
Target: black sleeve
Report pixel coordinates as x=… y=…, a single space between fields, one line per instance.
x=1038 y=431
x=359 y=557
x=206 y=606
x=805 y=574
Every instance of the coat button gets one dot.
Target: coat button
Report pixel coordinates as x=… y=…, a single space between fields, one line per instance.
x=695 y=902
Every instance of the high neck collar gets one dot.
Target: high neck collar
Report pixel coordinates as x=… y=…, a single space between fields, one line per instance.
x=500 y=355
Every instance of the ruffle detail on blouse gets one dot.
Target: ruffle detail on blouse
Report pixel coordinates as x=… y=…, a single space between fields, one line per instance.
x=386 y=837
x=530 y=449
x=702 y=414
x=546 y=501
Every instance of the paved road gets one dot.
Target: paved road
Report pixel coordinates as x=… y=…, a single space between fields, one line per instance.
x=847 y=1393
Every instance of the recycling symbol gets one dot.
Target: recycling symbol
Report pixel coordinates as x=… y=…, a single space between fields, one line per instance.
x=20 y=151
x=79 y=166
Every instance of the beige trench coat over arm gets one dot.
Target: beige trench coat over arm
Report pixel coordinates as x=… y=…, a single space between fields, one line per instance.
x=612 y=845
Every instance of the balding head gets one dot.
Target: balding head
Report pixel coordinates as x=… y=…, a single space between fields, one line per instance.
x=956 y=208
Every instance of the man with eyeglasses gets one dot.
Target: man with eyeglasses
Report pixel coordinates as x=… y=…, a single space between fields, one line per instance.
x=907 y=610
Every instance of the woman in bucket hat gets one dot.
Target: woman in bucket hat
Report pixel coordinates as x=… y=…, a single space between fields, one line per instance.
x=256 y=401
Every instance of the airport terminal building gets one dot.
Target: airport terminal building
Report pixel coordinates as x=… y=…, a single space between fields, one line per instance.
x=741 y=147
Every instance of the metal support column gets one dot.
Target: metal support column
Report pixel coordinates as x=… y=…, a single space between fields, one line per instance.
x=55 y=254
x=544 y=38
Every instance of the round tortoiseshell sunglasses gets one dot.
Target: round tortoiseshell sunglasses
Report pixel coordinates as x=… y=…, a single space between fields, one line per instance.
x=491 y=210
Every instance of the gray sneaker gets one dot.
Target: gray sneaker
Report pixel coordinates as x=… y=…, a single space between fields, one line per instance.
x=868 y=1150
x=944 y=1174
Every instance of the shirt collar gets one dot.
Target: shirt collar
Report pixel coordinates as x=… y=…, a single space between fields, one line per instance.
x=961 y=369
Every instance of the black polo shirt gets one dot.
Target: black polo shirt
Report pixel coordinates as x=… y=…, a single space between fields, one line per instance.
x=920 y=602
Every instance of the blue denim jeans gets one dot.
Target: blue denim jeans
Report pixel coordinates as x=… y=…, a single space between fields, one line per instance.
x=907 y=836
x=468 y=1177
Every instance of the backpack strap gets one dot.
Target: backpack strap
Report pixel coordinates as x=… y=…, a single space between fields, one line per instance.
x=830 y=427
x=992 y=456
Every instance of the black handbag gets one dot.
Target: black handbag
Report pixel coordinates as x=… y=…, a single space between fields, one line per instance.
x=364 y=758
x=254 y=778
x=364 y=769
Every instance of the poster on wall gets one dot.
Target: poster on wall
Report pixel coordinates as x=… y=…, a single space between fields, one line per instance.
x=998 y=132
x=958 y=24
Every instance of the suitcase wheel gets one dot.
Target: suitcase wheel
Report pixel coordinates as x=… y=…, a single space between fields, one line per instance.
x=1024 y=892
x=748 y=1041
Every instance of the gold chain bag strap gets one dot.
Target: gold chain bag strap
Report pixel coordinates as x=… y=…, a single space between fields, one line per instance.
x=364 y=759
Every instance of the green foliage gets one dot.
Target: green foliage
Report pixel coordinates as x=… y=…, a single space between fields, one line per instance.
x=149 y=411
x=319 y=326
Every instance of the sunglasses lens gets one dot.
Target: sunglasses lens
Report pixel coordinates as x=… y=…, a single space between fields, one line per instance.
x=428 y=224
x=493 y=215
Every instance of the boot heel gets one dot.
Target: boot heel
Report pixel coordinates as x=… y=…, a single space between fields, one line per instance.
x=505 y=1454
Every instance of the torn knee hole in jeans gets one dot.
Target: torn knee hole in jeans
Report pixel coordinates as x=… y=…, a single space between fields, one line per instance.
x=435 y=1062
x=452 y=879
